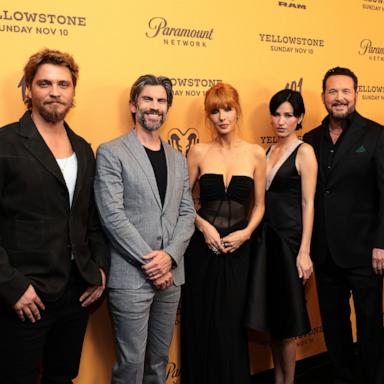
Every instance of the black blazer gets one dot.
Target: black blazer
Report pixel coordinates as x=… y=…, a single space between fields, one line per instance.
x=349 y=204
x=38 y=229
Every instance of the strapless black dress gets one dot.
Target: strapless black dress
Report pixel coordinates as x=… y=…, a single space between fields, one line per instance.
x=214 y=339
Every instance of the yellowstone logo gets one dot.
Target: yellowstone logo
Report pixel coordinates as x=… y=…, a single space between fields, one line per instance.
x=192 y=86
x=25 y=22
x=291 y=44
x=183 y=86
x=183 y=141
x=178 y=36
x=42 y=18
x=371 y=92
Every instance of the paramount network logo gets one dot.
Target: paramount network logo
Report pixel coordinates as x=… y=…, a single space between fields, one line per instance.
x=176 y=35
x=371 y=50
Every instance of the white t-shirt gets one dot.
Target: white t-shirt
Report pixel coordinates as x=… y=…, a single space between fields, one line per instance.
x=68 y=168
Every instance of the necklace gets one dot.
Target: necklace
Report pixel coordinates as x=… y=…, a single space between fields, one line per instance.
x=334 y=133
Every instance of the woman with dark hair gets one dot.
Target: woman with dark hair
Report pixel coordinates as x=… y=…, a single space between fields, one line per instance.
x=282 y=261
x=231 y=176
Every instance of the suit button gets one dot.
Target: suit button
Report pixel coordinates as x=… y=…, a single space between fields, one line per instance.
x=327 y=192
x=158 y=237
x=69 y=246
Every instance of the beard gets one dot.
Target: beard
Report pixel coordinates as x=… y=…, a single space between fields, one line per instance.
x=341 y=115
x=148 y=125
x=50 y=112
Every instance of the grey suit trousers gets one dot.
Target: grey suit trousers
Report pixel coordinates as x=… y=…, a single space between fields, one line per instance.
x=143 y=321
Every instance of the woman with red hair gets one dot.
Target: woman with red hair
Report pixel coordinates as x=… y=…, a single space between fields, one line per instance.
x=231 y=176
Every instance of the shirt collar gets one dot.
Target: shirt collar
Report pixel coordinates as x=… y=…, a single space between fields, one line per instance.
x=347 y=122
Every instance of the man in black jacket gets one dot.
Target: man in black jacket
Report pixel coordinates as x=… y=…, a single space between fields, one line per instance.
x=348 y=234
x=53 y=256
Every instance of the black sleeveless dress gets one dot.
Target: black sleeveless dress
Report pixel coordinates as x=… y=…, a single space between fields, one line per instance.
x=276 y=296
x=214 y=339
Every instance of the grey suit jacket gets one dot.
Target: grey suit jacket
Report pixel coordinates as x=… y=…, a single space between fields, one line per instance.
x=131 y=211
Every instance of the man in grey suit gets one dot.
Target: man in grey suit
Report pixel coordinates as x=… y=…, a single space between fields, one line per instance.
x=143 y=196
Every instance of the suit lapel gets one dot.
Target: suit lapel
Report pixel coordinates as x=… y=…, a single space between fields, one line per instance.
x=36 y=145
x=352 y=137
x=171 y=169
x=81 y=162
x=137 y=150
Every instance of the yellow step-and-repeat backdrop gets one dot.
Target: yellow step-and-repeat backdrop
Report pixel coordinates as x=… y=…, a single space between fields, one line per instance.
x=259 y=46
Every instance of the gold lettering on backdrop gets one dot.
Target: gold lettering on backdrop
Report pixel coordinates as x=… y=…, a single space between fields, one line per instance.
x=193 y=82
x=367 y=47
x=42 y=18
x=286 y=39
x=291 y=5
x=159 y=25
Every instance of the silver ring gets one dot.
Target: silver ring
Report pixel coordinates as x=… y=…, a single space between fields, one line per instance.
x=214 y=249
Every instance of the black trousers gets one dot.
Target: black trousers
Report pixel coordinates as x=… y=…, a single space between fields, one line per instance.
x=335 y=286
x=50 y=347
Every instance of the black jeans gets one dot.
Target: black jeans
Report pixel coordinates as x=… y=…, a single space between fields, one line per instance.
x=51 y=346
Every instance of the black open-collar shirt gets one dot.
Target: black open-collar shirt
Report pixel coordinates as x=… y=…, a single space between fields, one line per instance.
x=159 y=165
x=328 y=148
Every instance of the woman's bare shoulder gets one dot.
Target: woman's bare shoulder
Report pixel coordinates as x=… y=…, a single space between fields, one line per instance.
x=199 y=148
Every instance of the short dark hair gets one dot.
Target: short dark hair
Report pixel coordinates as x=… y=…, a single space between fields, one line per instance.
x=48 y=56
x=292 y=97
x=144 y=80
x=340 y=71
